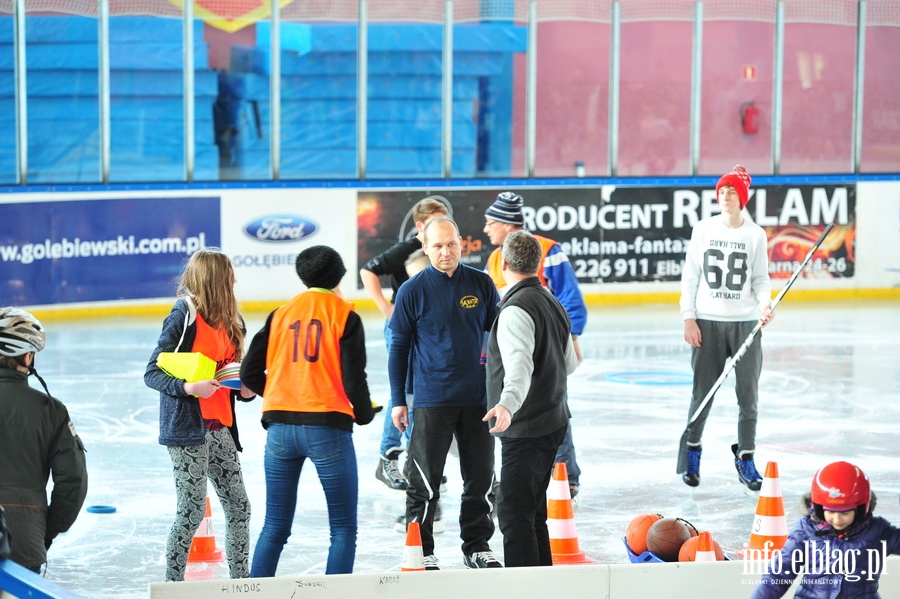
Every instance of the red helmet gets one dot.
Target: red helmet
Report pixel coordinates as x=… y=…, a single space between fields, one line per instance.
x=839 y=487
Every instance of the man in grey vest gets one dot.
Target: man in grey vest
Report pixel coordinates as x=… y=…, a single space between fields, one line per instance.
x=529 y=355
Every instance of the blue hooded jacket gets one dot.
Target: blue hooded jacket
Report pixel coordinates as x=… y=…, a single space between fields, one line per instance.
x=855 y=560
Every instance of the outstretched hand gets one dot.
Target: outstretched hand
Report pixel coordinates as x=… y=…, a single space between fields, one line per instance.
x=503 y=418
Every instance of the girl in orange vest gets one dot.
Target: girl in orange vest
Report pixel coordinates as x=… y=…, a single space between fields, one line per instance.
x=196 y=418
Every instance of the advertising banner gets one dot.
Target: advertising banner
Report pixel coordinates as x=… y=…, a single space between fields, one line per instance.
x=118 y=248
x=131 y=245
x=632 y=234
x=263 y=232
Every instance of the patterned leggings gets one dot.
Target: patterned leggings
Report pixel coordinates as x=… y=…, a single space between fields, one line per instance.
x=217 y=461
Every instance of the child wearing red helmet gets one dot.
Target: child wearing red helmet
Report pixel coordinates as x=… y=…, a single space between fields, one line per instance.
x=839 y=548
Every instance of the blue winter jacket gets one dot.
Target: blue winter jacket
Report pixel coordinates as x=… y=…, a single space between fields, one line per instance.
x=854 y=565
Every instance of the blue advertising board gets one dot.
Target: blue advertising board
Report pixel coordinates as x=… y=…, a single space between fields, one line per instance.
x=55 y=252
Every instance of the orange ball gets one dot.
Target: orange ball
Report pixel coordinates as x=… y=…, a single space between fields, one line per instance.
x=688 y=551
x=636 y=533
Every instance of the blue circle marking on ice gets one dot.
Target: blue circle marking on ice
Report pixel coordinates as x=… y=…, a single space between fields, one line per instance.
x=650 y=377
x=101 y=509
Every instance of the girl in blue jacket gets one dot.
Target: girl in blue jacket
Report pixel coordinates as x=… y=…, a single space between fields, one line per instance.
x=197 y=423
x=839 y=549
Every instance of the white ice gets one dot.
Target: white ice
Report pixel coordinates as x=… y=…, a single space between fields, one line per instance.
x=830 y=390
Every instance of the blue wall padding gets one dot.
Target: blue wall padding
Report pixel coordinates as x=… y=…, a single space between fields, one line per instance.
x=139 y=110
x=318 y=93
x=146 y=100
x=121 y=83
x=72 y=56
x=396 y=37
x=318 y=100
x=342 y=163
x=423 y=112
x=255 y=59
x=125 y=134
x=47 y=29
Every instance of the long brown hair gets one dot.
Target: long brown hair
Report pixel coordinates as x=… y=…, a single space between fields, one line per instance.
x=208 y=279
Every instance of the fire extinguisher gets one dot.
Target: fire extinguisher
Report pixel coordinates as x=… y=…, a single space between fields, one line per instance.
x=750 y=117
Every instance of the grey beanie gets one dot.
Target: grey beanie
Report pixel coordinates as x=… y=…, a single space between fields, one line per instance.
x=320 y=266
x=507 y=208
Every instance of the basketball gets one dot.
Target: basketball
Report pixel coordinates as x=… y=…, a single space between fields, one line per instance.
x=691 y=528
x=636 y=533
x=665 y=538
x=688 y=551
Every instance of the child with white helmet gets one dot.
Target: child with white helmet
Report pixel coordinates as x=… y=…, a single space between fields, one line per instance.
x=839 y=547
x=37 y=439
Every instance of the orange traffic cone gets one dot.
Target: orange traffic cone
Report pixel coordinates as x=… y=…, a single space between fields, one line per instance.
x=705 y=550
x=412 y=554
x=203 y=547
x=561 y=521
x=769 y=532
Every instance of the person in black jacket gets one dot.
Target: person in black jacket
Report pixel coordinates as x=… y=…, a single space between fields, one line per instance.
x=37 y=439
x=529 y=355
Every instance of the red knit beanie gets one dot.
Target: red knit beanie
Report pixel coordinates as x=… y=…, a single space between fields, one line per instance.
x=739 y=179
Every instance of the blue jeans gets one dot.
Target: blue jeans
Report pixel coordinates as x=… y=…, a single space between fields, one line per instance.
x=331 y=451
x=566 y=455
x=391 y=436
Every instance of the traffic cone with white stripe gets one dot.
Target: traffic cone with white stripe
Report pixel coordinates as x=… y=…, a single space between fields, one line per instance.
x=705 y=550
x=561 y=521
x=413 y=558
x=769 y=531
x=203 y=547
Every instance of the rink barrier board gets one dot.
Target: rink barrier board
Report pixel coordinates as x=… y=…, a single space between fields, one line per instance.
x=697 y=580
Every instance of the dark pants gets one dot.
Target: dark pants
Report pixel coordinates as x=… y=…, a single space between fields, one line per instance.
x=526 y=468
x=428 y=447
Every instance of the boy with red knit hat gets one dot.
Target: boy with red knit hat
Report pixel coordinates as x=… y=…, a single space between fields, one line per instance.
x=725 y=291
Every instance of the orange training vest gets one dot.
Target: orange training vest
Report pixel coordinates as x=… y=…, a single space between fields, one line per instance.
x=495 y=263
x=303 y=358
x=215 y=345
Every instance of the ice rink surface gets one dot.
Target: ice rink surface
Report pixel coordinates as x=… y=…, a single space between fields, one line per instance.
x=830 y=390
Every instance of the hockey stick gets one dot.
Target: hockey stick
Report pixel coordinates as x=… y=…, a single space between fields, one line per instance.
x=682 y=448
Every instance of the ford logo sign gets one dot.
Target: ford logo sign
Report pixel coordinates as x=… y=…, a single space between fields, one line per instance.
x=280 y=228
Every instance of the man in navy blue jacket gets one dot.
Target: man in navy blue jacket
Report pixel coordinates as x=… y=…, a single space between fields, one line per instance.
x=442 y=314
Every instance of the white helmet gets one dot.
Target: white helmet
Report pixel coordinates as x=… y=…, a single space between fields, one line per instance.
x=20 y=333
